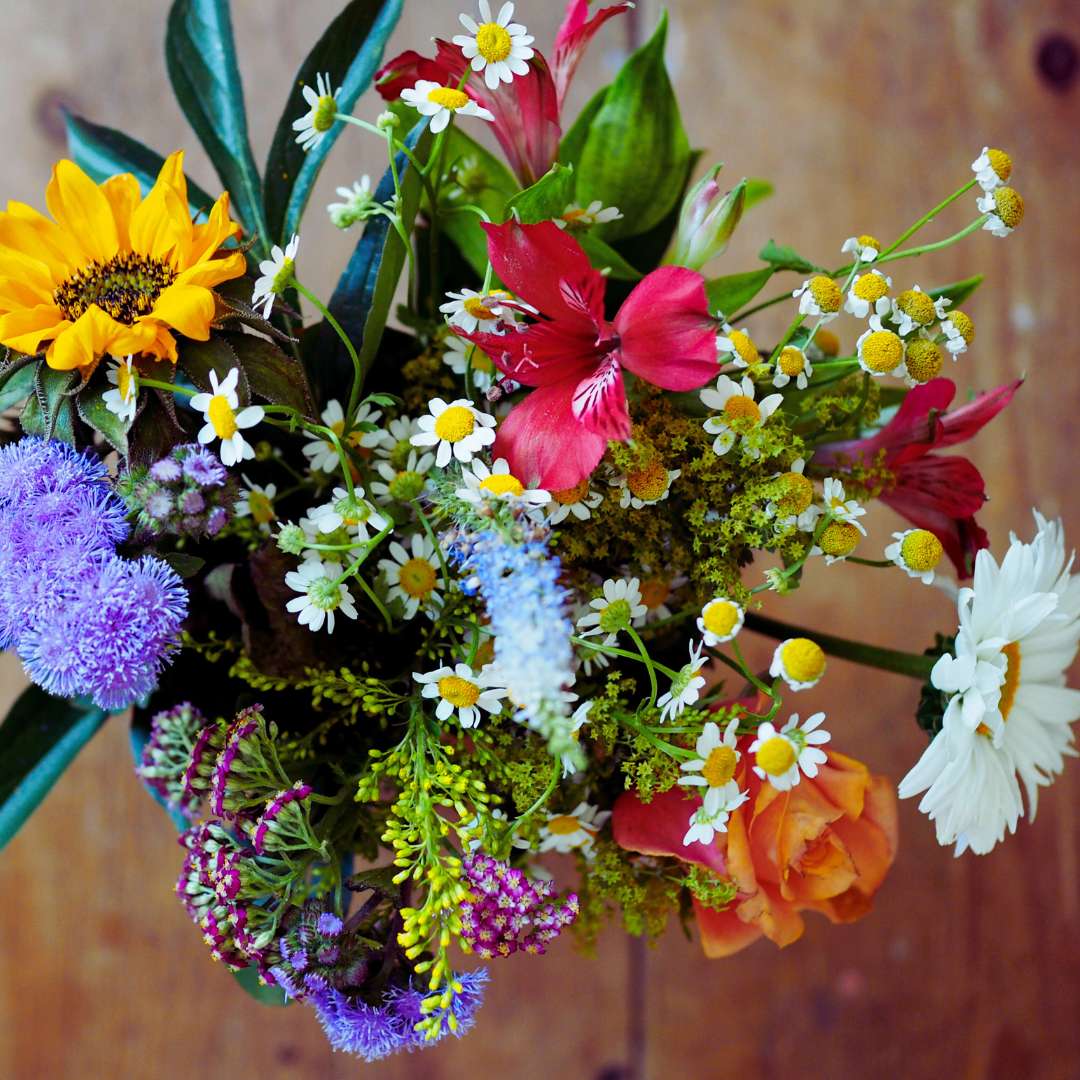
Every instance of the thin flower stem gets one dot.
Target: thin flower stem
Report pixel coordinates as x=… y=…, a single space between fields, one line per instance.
x=610 y=650
x=937 y=245
x=426 y=523
x=636 y=638
x=927 y=218
x=172 y=388
x=544 y=796
x=376 y=601
x=870 y=562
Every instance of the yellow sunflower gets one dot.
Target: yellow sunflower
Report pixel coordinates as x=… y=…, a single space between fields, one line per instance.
x=113 y=273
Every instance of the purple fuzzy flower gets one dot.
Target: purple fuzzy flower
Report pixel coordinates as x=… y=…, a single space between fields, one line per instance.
x=201 y=466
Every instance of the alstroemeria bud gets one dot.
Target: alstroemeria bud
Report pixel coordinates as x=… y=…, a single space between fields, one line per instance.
x=707 y=221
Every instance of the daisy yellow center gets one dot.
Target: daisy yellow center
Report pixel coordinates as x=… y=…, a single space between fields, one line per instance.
x=870 y=287
x=322 y=116
x=882 y=351
x=616 y=616
x=826 y=292
x=827 y=342
x=448 y=98
x=655 y=592
x=648 y=483
x=791 y=361
x=797 y=493
x=963 y=325
x=866 y=240
x=923 y=360
x=222 y=417
x=1009 y=205
x=283 y=278
x=1001 y=163
x=126 y=382
x=1011 y=653
x=719 y=617
x=262 y=509
x=563 y=825
x=803 y=660
x=921 y=550
x=840 y=538
x=477 y=307
x=744 y=345
x=569 y=496
x=124 y=287
x=775 y=756
x=461 y=693
x=502 y=484
x=417 y=578
x=455 y=423
x=741 y=407
x=917 y=305
x=493 y=42
x=720 y=766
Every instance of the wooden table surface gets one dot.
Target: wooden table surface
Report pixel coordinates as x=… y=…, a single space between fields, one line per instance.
x=864 y=115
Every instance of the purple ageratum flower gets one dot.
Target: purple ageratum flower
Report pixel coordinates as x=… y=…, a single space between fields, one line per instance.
x=467 y=995
x=166 y=471
x=201 y=466
x=33 y=466
x=369 y=1031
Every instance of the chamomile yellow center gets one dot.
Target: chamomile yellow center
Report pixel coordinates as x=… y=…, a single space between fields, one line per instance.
x=221 y=417
x=1011 y=653
x=493 y=42
x=650 y=482
x=262 y=509
x=720 y=765
x=322 y=116
x=616 y=616
x=791 y=362
x=917 y=306
x=719 y=617
x=125 y=286
x=455 y=423
x=502 y=484
x=775 y=756
x=655 y=592
x=461 y=693
x=1001 y=163
x=563 y=825
x=1010 y=206
x=448 y=98
x=417 y=578
x=826 y=292
x=126 y=382
x=827 y=342
x=923 y=360
x=803 y=660
x=796 y=493
x=743 y=344
x=870 y=287
x=569 y=496
x=963 y=324
x=840 y=538
x=921 y=550
x=868 y=241
x=477 y=307
x=741 y=407
x=882 y=351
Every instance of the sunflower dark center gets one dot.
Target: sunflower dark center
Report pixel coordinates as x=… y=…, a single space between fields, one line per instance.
x=125 y=287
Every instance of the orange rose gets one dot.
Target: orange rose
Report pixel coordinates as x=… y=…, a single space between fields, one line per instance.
x=825 y=846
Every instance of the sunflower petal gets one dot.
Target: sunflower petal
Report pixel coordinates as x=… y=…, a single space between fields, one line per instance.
x=213 y=271
x=25 y=330
x=17 y=293
x=24 y=230
x=80 y=207
x=160 y=224
x=85 y=341
x=123 y=195
x=187 y=308
x=206 y=239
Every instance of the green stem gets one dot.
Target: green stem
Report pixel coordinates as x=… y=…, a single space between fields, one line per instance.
x=169 y=387
x=647 y=660
x=937 y=245
x=927 y=218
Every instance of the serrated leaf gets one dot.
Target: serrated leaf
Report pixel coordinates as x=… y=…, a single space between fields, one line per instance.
x=733 y=291
x=756 y=191
x=273 y=374
x=544 y=200
x=350 y=50
x=95 y=413
x=52 y=389
x=605 y=257
x=198 y=358
x=39 y=739
x=154 y=433
x=230 y=309
x=635 y=144
x=17 y=380
x=200 y=55
x=782 y=257
x=958 y=291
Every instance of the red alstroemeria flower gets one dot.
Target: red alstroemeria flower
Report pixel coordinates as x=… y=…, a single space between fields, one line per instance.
x=527 y=110
x=941 y=494
x=575 y=358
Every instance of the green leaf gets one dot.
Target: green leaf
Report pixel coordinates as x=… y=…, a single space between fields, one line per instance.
x=605 y=257
x=958 y=291
x=733 y=291
x=544 y=200
x=199 y=358
x=756 y=191
x=17 y=380
x=54 y=417
x=273 y=374
x=782 y=257
x=636 y=144
x=248 y=979
x=573 y=142
x=350 y=50
x=94 y=411
x=39 y=739
x=184 y=564
x=200 y=55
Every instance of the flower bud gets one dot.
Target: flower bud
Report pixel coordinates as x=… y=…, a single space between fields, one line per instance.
x=706 y=221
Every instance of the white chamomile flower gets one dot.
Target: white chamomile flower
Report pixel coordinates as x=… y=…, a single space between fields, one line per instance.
x=124 y=399
x=841 y=507
x=715 y=765
x=576 y=217
x=799 y=661
x=783 y=757
x=959 y=331
x=579 y=501
x=736 y=347
x=257 y=502
x=1006 y=729
x=869 y=293
x=720 y=620
x=497 y=47
x=614 y=610
x=992 y=168
x=645 y=486
x=406 y=483
x=357 y=204
x=471 y=311
x=837 y=541
x=223 y=421
x=917 y=552
x=1004 y=207
x=865 y=248
x=322 y=454
x=441 y=102
x=457 y=430
x=914 y=309
x=322 y=595
x=482 y=483
x=414 y=575
x=923 y=358
x=704 y=826
x=792 y=363
x=322 y=108
x=686 y=687
x=575 y=831
x=740 y=413
x=394 y=444
x=880 y=351
x=578 y=719
x=793 y=502
x=819 y=296
x=276 y=275
x=351 y=512
x=460 y=355
x=464 y=691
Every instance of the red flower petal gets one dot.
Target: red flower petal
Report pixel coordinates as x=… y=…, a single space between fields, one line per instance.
x=658 y=828
x=599 y=401
x=573 y=39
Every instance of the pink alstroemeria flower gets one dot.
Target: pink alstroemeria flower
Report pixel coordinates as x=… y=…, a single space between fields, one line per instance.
x=526 y=111
x=941 y=494
x=574 y=357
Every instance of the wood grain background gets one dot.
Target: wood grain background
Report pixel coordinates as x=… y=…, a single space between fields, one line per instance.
x=863 y=115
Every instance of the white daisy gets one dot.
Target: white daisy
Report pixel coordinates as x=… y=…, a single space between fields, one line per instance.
x=793 y=504
x=917 y=552
x=578 y=719
x=715 y=765
x=1006 y=728
x=616 y=609
x=497 y=47
x=799 y=661
x=441 y=102
x=322 y=453
x=576 y=217
x=405 y=484
x=458 y=430
x=1005 y=209
x=841 y=507
x=792 y=363
x=357 y=204
x=223 y=421
x=394 y=443
x=319 y=119
x=462 y=690
x=736 y=347
x=865 y=248
x=686 y=687
x=720 y=620
x=276 y=274
x=819 y=296
x=124 y=399
x=414 y=575
x=959 y=331
x=257 y=502
x=579 y=501
x=783 y=757
x=351 y=512
x=992 y=168
x=740 y=413
x=575 y=831
x=869 y=293
x=460 y=355
x=914 y=308
x=321 y=594
x=646 y=486
x=880 y=351
x=482 y=483
x=470 y=311
x=704 y=826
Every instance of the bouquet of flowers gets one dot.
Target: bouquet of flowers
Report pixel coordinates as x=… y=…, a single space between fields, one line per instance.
x=413 y=584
